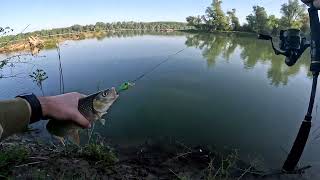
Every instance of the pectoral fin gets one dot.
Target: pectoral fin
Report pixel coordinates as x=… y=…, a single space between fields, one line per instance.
x=102 y=121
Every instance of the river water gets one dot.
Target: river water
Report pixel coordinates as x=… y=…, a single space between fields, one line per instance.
x=222 y=90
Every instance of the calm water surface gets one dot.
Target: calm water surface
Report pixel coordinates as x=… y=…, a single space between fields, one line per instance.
x=227 y=91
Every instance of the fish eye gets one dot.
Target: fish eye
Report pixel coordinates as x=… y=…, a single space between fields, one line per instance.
x=105 y=93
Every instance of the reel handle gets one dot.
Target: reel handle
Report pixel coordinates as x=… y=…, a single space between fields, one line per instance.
x=264 y=37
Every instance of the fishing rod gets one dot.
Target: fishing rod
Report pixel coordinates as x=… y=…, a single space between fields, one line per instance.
x=126 y=85
x=292 y=45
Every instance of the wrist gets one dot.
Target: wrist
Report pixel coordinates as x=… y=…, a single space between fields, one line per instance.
x=35 y=107
x=45 y=105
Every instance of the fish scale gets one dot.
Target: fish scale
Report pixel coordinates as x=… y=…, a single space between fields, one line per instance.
x=85 y=105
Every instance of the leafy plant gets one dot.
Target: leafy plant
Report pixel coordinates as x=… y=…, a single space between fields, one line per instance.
x=38 y=77
x=97 y=152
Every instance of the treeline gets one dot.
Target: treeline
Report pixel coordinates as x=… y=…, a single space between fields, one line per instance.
x=101 y=26
x=293 y=15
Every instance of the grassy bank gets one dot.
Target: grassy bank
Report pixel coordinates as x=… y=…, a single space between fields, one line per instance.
x=22 y=157
x=48 y=41
x=27 y=157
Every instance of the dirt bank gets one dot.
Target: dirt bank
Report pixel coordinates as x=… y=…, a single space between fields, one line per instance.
x=47 y=41
x=24 y=157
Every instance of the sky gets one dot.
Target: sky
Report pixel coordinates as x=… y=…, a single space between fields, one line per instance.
x=47 y=14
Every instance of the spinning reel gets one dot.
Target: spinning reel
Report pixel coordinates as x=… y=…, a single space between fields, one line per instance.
x=292 y=45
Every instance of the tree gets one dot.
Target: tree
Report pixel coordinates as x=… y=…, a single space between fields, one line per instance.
x=261 y=18
x=100 y=26
x=251 y=23
x=195 y=21
x=76 y=27
x=292 y=14
x=215 y=17
x=273 y=24
x=235 y=24
x=258 y=20
x=305 y=27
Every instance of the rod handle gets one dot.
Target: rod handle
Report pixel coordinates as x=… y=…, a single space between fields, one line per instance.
x=298 y=147
x=264 y=37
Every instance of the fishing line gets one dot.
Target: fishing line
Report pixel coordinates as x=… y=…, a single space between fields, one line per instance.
x=127 y=85
x=156 y=66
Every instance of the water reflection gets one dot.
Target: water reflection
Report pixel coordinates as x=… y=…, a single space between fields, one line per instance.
x=10 y=66
x=252 y=52
x=131 y=33
x=214 y=47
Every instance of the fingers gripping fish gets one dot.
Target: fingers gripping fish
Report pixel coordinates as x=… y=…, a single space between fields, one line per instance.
x=93 y=107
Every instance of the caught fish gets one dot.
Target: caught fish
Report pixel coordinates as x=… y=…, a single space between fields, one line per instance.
x=93 y=107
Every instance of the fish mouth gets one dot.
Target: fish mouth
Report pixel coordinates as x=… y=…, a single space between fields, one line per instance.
x=113 y=90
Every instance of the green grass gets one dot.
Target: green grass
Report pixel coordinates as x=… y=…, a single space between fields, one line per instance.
x=98 y=152
x=11 y=157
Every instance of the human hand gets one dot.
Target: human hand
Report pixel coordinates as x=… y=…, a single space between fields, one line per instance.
x=64 y=108
x=316 y=3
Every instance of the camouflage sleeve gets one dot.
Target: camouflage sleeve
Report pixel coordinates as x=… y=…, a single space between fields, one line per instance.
x=14 y=116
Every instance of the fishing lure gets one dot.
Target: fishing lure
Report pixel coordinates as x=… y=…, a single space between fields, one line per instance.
x=124 y=86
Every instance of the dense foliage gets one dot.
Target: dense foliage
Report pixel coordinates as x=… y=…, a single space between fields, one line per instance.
x=101 y=26
x=293 y=13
